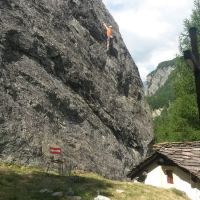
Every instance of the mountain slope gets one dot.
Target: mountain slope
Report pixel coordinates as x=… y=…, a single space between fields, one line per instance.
x=59 y=87
x=164 y=94
x=157 y=78
x=160 y=86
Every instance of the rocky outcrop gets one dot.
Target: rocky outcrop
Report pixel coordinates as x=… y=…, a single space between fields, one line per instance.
x=158 y=77
x=59 y=87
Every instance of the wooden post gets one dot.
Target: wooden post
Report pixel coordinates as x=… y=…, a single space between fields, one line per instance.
x=195 y=60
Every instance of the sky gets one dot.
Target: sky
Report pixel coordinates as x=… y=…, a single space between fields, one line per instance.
x=150 y=28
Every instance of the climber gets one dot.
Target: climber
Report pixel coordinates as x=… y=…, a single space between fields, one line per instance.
x=109 y=35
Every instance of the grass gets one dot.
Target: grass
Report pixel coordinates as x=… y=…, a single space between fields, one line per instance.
x=25 y=183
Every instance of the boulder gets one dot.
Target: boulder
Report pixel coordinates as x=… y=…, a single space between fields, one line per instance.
x=100 y=197
x=59 y=87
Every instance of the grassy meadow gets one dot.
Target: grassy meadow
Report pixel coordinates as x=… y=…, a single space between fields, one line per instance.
x=25 y=183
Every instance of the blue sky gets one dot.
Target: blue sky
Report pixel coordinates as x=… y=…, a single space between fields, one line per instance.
x=150 y=28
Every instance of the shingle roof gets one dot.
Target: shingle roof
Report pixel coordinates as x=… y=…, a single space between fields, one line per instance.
x=184 y=154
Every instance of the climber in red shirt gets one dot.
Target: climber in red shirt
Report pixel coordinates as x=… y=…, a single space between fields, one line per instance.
x=109 y=34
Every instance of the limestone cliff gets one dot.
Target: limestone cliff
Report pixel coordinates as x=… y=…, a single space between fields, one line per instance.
x=158 y=77
x=59 y=87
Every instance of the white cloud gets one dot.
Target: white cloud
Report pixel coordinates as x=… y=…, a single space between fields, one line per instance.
x=150 y=28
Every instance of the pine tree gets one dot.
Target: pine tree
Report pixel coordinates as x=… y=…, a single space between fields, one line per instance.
x=179 y=122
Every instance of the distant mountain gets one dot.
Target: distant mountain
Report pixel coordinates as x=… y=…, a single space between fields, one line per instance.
x=157 y=78
x=159 y=90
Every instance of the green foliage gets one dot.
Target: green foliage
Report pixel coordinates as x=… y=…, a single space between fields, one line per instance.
x=179 y=120
x=193 y=21
x=164 y=95
x=184 y=82
x=163 y=65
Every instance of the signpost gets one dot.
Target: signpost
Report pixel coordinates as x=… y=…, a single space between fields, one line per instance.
x=56 y=158
x=55 y=150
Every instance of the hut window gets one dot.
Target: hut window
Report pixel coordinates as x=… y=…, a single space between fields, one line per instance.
x=169 y=176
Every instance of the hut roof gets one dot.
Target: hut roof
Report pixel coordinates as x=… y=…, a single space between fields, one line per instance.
x=186 y=155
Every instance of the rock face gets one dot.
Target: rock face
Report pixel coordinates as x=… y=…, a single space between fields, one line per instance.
x=59 y=87
x=158 y=77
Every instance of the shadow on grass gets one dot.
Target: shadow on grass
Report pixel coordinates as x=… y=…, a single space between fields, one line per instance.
x=14 y=186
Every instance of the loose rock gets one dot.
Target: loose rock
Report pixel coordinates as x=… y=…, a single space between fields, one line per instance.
x=100 y=197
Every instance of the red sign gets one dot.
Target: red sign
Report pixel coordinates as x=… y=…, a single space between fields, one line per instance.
x=55 y=150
